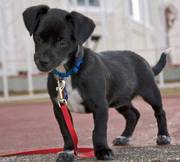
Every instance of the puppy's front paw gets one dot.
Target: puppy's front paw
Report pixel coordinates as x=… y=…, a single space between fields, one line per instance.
x=163 y=140
x=105 y=154
x=66 y=156
x=121 y=140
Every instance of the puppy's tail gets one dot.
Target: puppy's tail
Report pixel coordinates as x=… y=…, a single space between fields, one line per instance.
x=161 y=63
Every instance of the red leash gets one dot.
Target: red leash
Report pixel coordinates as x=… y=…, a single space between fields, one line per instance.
x=69 y=124
x=80 y=152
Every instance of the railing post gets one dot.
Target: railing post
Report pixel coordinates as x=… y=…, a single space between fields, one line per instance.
x=103 y=22
x=161 y=79
x=4 y=73
x=29 y=70
x=29 y=63
x=2 y=48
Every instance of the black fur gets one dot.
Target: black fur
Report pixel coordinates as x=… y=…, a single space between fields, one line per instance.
x=160 y=65
x=65 y=157
x=32 y=16
x=106 y=79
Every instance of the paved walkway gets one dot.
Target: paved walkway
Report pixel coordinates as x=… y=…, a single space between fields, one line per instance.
x=122 y=154
x=33 y=126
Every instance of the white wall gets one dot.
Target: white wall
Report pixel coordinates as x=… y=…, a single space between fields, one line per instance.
x=117 y=28
x=7 y=43
x=175 y=35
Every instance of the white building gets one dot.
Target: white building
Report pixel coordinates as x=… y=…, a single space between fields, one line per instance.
x=123 y=24
x=174 y=31
x=137 y=25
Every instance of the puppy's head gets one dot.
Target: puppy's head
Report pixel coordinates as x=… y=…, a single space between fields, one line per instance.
x=56 y=33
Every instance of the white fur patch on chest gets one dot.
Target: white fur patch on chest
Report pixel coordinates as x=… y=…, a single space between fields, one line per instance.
x=74 y=98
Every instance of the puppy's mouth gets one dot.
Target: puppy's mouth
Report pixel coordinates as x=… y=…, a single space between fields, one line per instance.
x=47 y=67
x=44 y=66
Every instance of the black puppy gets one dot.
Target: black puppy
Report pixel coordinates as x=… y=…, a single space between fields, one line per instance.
x=106 y=79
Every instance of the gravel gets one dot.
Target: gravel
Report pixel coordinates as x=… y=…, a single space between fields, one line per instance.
x=122 y=154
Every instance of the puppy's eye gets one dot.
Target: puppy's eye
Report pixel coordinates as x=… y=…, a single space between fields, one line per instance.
x=62 y=43
x=37 y=39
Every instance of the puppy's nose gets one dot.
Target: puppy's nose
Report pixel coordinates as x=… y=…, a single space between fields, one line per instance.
x=43 y=62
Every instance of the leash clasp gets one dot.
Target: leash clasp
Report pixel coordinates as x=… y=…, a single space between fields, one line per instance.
x=60 y=88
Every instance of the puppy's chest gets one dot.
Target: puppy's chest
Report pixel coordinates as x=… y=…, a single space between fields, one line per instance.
x=74 y=98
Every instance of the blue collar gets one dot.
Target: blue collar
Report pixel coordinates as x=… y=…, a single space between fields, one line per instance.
x=75 y=69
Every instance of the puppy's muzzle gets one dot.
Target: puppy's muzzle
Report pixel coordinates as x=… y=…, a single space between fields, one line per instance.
x=43 y=63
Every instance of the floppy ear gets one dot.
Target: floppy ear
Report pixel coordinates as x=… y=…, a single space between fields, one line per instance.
x=82 y=26
x=32 y=16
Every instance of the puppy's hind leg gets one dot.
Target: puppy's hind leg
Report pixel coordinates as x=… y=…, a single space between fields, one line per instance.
x=151 y=95
x=131 y=114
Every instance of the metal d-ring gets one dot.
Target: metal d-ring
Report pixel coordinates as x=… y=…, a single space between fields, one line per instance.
x=61 y=85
